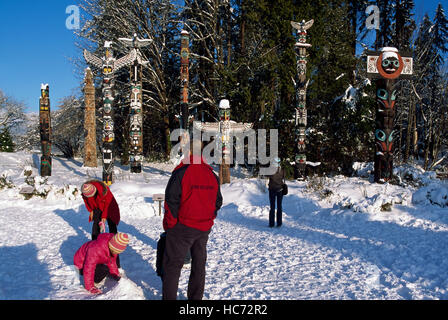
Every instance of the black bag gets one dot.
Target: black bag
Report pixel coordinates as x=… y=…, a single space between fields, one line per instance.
x=285 y=189
x=160 y=252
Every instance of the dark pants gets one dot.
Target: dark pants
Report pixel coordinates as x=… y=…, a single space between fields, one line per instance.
x=272 y=196
x=101 y=272
x=179 y=240
x=96 y=228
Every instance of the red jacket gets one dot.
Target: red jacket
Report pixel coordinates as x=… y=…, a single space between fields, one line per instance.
x=103 y=200
x=192 y=196
x=92 y=253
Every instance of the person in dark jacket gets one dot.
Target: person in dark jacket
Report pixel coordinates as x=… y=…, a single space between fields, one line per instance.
x=275 y=193
x=192 y=200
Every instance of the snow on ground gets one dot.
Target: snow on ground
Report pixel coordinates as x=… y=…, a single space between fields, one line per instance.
x=342 y=238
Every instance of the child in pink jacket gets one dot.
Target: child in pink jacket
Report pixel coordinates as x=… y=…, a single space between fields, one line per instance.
x=93 y=257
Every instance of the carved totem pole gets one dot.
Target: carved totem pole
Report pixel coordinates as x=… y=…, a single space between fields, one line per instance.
x=301 y=86
x=90 y=156
x=136 y=111
x=184 y=77
x=109 y=65
x=225 y=129
x=45 y=130
x=386 y=67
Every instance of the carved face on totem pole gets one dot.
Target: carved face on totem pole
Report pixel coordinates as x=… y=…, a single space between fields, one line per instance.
x=385 y=66
x=384 y=145
x=224 y=114
x=44 y=91
x=390 y=64
x=384 y=134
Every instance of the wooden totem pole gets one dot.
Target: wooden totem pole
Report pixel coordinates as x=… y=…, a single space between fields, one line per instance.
x=386 y=66
x=109 y=65
x=301 y=86
x=136 y=111
x=90 y=156
x=184 y=77
x=225 y=129
x=45 y=130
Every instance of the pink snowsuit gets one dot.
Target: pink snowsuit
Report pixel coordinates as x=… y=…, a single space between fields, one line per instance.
x=92 y=253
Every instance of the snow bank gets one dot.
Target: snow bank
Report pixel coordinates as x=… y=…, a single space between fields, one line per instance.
x=433 y=194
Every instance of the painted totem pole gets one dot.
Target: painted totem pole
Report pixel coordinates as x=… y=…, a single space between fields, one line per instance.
x=136 y=112
x=109 y=65
x=90 y=156
x=184 y=77
x=301 y=86
x=225 y=129
x=386 y=67
x=45 y=130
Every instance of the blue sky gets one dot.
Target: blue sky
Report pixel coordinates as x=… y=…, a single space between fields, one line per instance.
x=36 y=47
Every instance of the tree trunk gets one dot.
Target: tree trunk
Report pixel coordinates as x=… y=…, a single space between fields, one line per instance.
x=166 y=128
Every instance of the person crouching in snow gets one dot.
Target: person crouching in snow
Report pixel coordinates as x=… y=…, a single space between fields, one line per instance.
x=102 y=206
x=98 y=258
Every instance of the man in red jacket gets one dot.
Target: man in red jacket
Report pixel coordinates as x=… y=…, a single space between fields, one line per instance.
x=98 y=258
x=192 y=200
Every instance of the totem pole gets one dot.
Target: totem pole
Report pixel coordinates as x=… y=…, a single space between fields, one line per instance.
x=184 y=77
x=45 y=130
x=225 y=128
x=385 y=67
x=301 y=86
x=109 y=65
x=136 y=112
x=90 y=156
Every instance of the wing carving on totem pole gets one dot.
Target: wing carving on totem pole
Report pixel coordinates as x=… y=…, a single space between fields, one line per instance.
x=140 y=58
x=206 y=126
x=135 y=42
x=302 y=26
x=93 y=59
x=240 y=127
x=125 y=60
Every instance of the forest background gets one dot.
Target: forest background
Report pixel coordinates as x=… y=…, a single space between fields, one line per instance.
x=243 y=50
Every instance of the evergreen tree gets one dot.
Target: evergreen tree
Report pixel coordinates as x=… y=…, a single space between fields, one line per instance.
x=404 y=24
x=330 y=125
x=6 y=143
x=430 y=46
x=385 y=33
x=440 y=34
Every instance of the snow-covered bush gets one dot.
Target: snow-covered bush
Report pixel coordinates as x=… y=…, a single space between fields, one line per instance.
x=318 y=185
x=432 y=194
x=413 y=175
x=374 y=204
x=362 y=169
x=5 y=182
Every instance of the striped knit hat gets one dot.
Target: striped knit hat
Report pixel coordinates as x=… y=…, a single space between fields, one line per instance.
x=119 y=242
x=88 y=190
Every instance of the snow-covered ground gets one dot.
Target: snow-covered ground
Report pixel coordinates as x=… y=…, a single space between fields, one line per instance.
x=342 y=238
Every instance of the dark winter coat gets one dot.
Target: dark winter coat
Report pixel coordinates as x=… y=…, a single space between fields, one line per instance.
x=93 y=253
x=103 y=200
x=276 y=180
x=192 y=196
